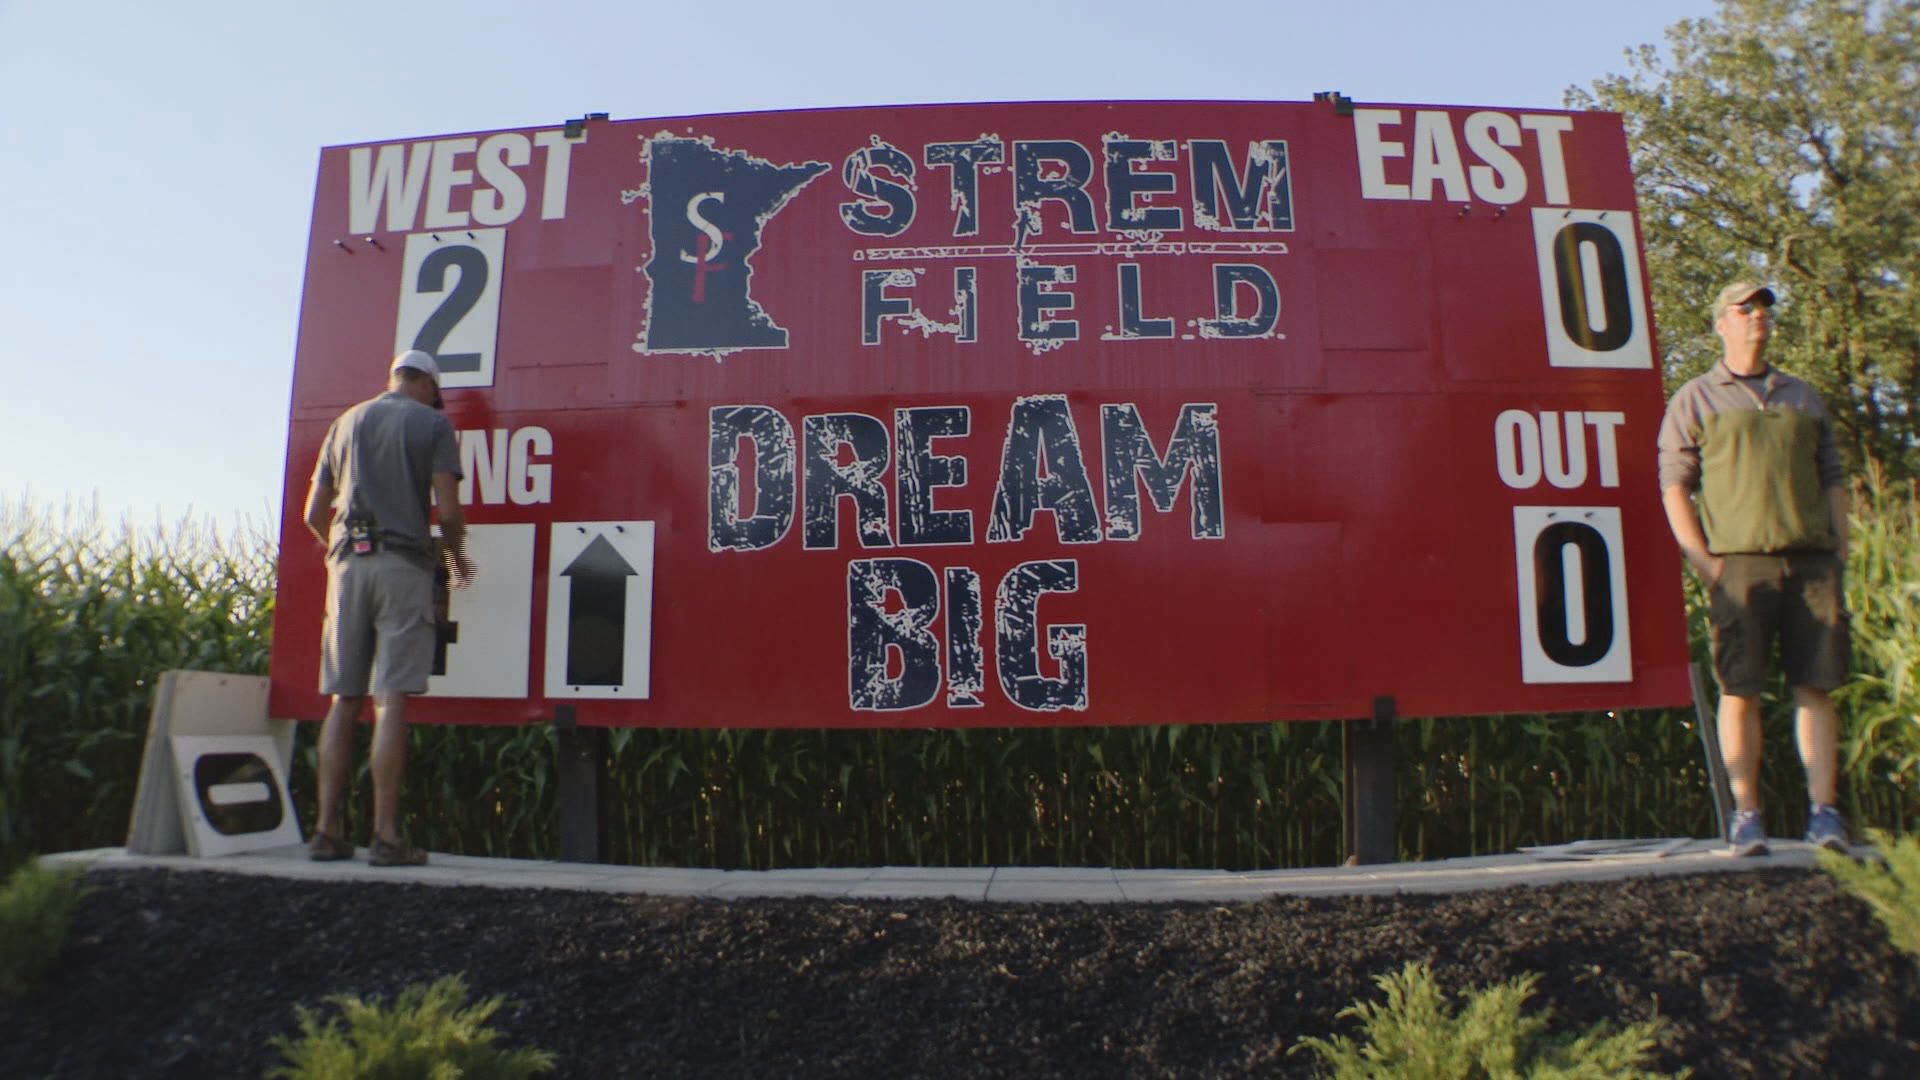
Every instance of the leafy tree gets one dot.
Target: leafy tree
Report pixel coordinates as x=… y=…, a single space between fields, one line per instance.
x=1780 y=140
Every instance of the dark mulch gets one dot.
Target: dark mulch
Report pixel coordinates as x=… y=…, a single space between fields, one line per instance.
x=1766 y=973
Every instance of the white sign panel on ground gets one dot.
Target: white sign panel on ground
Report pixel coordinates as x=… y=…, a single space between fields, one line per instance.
x=212 y=713
x=233 y=793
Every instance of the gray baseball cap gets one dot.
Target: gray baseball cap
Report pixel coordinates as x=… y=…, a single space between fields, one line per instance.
x=1741 y=292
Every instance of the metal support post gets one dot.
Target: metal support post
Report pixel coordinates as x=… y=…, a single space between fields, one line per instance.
x=1709 y=722
x=580 y=787
x=1368 y=760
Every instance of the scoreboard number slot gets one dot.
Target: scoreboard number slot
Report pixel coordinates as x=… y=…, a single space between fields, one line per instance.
x=1590 y=289
x=450 y=302
x=1572 y=594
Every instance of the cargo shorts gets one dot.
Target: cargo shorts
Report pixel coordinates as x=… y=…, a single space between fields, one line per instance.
x=379 y=635
x=1795 y=596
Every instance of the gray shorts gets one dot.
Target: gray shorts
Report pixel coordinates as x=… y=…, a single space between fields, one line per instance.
x=1797 y=598
x=379 y=632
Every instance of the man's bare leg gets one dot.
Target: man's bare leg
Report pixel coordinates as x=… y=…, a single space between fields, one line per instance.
x=336 y=757
x=1818 y=728
x=389 y=763
x=1740 y=748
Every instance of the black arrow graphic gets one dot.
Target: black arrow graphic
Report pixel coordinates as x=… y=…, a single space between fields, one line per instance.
x=597 y=616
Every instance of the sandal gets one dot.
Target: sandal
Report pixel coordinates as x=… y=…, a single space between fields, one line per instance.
x=325 y=847
x=381 y=853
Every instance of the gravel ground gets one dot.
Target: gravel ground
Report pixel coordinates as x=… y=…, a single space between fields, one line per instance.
x=188 y=974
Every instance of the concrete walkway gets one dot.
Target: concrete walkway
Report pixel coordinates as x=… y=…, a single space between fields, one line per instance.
x=1589 y=860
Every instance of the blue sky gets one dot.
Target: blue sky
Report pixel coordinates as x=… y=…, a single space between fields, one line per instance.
x=157 y=161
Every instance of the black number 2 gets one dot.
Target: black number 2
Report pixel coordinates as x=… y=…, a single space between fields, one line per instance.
x=465 y=293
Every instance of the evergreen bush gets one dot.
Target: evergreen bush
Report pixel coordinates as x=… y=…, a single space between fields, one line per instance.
x=1415 y=1035
x=1891 y=887
x=36 y=909
x=428 y=1033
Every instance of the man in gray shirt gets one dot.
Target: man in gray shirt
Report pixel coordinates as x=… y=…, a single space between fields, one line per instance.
x=369 y=504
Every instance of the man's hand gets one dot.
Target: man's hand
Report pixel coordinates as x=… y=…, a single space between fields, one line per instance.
x=459 y=567
x=453 y=529
x=1709 y=566
x=1685 y=522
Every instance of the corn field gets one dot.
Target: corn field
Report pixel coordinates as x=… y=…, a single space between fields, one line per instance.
x=89 y=617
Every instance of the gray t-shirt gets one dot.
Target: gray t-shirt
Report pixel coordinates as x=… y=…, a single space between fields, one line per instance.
x=380 y=456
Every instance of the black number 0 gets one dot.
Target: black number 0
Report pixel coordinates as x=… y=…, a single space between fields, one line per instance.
x=466 y=292
x=1550 y=593
x=1571 y=276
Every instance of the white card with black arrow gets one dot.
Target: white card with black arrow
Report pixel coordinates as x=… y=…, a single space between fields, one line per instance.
x=599 y=609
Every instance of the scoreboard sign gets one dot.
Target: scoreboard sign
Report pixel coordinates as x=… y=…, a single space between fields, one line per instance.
x=1089 y=413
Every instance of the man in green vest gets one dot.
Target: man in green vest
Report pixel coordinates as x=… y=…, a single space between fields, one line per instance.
x=1757 y=498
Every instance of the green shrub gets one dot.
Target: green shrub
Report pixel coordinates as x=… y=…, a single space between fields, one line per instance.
x=1416 y=1036
x=36 y=908
x=1891 y=889
x=1881 y=703
x=428 y=1032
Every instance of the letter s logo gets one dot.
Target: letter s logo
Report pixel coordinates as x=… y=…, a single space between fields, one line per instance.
x=715 y=238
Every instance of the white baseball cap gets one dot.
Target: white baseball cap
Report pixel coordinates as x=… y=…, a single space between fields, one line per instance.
x=419 y=361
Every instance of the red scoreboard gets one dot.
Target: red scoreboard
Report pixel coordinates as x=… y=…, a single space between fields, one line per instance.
x=1029 y=414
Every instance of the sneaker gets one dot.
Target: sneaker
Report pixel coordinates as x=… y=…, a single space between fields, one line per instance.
x=1748 y=835
x=325 y=847
x=381 y=853
x=1827 y=829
